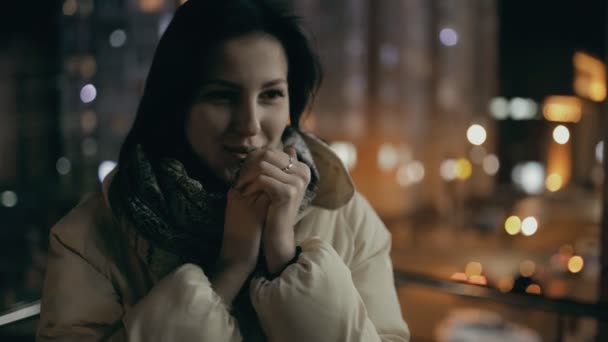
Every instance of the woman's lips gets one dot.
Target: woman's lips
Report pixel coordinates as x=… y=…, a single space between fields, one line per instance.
x=240 y=152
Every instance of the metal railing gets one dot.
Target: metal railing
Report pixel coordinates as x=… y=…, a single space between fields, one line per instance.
x=561 y=307
x=566 y=307
x=20 y=313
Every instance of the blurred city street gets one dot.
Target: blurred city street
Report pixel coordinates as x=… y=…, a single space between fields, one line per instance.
x=443 y=250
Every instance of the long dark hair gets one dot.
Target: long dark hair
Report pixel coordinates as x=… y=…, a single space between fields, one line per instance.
x=184 y=52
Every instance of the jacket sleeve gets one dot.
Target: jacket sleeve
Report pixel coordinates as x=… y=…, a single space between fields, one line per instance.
x=320 y=298
x=80 y=304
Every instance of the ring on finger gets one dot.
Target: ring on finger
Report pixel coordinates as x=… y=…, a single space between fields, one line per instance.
x=289 y=165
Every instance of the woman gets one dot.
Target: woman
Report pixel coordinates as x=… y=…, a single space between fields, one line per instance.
x=223 y=221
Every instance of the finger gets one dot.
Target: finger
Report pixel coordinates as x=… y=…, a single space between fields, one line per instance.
x=254 y=171
x=273 y=188
x=255 y=166
x=298 y=175
x=291 y=151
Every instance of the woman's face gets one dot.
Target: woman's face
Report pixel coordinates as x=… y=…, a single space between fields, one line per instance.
x=243 y=104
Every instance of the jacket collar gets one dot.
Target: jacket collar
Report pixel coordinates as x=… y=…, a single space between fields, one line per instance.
x=335 y=185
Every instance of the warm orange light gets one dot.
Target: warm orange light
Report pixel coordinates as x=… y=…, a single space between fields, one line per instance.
x=575 y=264
x=567 y=250
x=597 y=91
x=554 y=182
x=505 y=284
x=563 y=109
x=557 y=288
x=473 y=269
x=513 y=225
x=527 y=268
x=150 y=5
x=88 y=66
x=587 y=62
x=590 y=77
x=70 y=7
x=478 y=280
x=534 y=289
x=559 y=161
x=459 y=276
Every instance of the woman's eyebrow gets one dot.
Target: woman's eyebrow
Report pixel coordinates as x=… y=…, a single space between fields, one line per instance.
x=273 y=82
x=222 y=83
x=233 y=85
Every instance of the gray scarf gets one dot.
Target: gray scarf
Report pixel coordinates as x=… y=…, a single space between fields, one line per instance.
x=175 y=212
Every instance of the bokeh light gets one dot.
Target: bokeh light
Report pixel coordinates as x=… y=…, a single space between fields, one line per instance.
x=88 y=121
x=464 y=169
x=527 y=268
x=499 y=108
x=70 y=7
x=530 y=177
x=459 y=276
x=447 y=170
x=347 y=152
x=563 y=109
x=88 y=66
x=9 y=199
x=478 y=280
x=554 y=182
x=599 y=152
x=513 y=225
x=63 y=166
x=88 y=93
x=410 y=173
x=561 y=134
x=491 y=164
x=388 y=157
x=415 y=171
x=597 y=91
x=567 y=250
x=473 y=268
x=523 y=109
x=477 y=154
x=448 y=36
x=575 y=264
x=529 y=226
x=505 y=284
x=477 y=135
x=118 y=38
x=534 y=289
x=151 y=5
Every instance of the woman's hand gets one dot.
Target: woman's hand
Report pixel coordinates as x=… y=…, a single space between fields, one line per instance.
x=283 y=179
x=244 y=220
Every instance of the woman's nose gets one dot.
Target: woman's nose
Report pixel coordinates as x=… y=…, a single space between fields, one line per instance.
x=247 y=121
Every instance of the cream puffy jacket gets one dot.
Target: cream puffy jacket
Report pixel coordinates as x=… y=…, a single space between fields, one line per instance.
x=104 y=284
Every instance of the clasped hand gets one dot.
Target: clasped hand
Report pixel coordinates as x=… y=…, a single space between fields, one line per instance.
x=262 y=208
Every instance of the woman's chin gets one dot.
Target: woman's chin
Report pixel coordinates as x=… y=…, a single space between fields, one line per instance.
x=229 y=174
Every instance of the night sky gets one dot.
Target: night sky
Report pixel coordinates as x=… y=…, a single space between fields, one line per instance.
x=538 y=39
x=35 y=21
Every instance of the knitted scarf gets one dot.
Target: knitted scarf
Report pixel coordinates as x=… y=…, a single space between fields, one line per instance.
x=178 y=213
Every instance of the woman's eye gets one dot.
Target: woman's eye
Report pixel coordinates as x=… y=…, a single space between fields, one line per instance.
x=272 y=95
